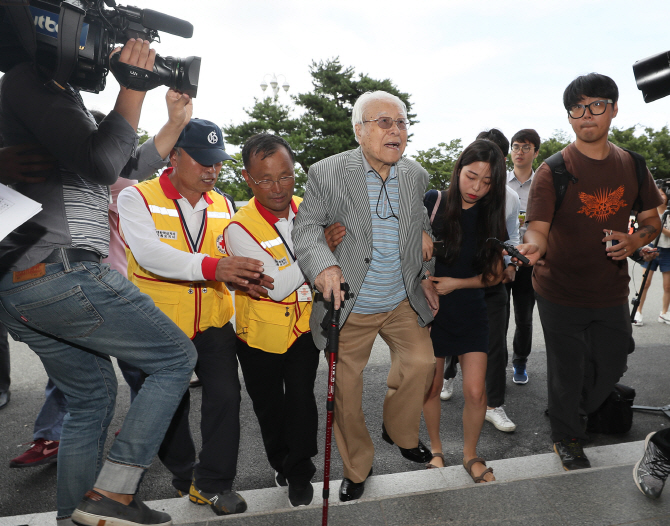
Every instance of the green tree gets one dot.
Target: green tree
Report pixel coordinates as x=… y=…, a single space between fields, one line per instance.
x=231 y=181
x=550 y=146
x=439 y=162
x=653 y=145
x=267 y=115
x=143 y=135
x=324 y=125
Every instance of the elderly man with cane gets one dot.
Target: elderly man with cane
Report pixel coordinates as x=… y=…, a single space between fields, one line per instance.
x=376 y=195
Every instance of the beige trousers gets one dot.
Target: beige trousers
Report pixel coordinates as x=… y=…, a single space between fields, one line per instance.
x=410 y=377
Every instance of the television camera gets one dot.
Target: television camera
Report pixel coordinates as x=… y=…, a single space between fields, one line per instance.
x=71 y=42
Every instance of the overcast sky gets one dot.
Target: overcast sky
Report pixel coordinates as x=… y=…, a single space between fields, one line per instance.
x=468 y=65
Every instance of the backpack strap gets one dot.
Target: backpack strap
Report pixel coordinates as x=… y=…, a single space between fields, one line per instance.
x=641 y=172
x=561 y=177
x=435 y=206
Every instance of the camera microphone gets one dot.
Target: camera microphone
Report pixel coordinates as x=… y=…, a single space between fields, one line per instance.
x=167 y=23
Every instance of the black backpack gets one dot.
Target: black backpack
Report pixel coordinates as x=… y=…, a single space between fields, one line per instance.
x=562 y=177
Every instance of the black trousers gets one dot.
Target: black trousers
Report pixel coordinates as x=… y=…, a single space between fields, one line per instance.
x=450 y=367
x=220 y=418
x=586 y=355
x=281 y=388
x=524 y=303
x=496 y=308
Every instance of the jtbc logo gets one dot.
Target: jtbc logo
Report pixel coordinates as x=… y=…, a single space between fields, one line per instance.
x=46 y=23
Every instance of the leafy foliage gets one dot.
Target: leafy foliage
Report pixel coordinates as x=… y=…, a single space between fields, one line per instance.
x=267 y=115
x=550 y=146
x=231 y=181
x=439 y=162
x=654 y=145
x=143 y=135
x=324 y=125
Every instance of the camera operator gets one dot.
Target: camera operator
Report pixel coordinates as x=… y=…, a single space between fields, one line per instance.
x=74 y=312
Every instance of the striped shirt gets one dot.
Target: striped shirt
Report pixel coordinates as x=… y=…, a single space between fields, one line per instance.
x=383 y=287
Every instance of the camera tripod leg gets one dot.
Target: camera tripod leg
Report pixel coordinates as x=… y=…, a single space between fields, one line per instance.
x=665 y=409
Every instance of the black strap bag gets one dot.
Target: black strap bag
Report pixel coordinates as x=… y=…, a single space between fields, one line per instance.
x=615 y=415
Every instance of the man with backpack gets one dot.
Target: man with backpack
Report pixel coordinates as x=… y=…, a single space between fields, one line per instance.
x=578 y=215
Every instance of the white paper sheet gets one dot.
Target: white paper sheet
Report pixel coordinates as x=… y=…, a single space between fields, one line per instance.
x=15 y=209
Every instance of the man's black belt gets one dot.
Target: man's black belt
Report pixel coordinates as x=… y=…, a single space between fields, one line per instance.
x=73 y=255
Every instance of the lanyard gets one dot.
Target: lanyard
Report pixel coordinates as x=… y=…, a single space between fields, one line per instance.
x=188 y=232
x=285 y=243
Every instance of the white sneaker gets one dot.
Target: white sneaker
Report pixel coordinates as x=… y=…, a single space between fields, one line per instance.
x=447 y=389
x=637 y=321
x=664 y=317
x=500 y=420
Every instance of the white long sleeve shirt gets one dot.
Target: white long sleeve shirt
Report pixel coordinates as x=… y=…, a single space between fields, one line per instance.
x=150 y=252
x=240 y=243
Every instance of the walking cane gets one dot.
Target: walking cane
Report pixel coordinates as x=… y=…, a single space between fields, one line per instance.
x=330 y=323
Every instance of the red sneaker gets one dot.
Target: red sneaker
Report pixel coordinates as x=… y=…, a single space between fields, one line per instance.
x=41 y=452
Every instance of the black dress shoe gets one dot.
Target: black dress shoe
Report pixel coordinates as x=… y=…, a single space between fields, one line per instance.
x=572 y=455
x=4 y=399
x=420 y=453
x=352 y=490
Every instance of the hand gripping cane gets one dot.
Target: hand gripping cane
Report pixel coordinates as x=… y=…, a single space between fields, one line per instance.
x=330 y=323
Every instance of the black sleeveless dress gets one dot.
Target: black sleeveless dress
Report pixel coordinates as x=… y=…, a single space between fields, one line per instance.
x=461 y=324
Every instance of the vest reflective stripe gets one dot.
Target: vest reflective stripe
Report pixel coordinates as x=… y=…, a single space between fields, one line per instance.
x=163 y=211
x=218 y=215
x=193 y=306
x=272 y=326
x=271 y=243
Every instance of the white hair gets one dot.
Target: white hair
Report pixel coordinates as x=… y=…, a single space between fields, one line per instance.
x=367 y=98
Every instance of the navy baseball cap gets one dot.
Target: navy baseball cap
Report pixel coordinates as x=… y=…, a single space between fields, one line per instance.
x=203 y=141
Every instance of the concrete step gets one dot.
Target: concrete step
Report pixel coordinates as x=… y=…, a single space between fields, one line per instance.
x=529 y=490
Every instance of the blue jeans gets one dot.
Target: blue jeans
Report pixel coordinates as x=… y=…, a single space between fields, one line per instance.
x=74 y=318
x=49 y=421
x=133 y=376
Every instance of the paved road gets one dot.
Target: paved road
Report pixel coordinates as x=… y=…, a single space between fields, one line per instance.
x=33 y=490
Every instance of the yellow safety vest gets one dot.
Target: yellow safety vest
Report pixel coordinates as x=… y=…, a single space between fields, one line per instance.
x=265 y=324
x=193 y=306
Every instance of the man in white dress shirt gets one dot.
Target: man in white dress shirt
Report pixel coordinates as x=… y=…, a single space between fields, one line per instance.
x=525 y=147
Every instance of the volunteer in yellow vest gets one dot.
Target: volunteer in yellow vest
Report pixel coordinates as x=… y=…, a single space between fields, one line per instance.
x=173 y=226
x=275 y=348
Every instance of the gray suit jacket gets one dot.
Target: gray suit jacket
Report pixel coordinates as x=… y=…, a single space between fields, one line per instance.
x=337 y=192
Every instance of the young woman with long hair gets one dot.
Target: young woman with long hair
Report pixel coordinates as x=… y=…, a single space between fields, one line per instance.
x=474 y=211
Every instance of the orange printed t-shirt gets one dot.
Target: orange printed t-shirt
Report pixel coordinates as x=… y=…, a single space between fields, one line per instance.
x=576 y=270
